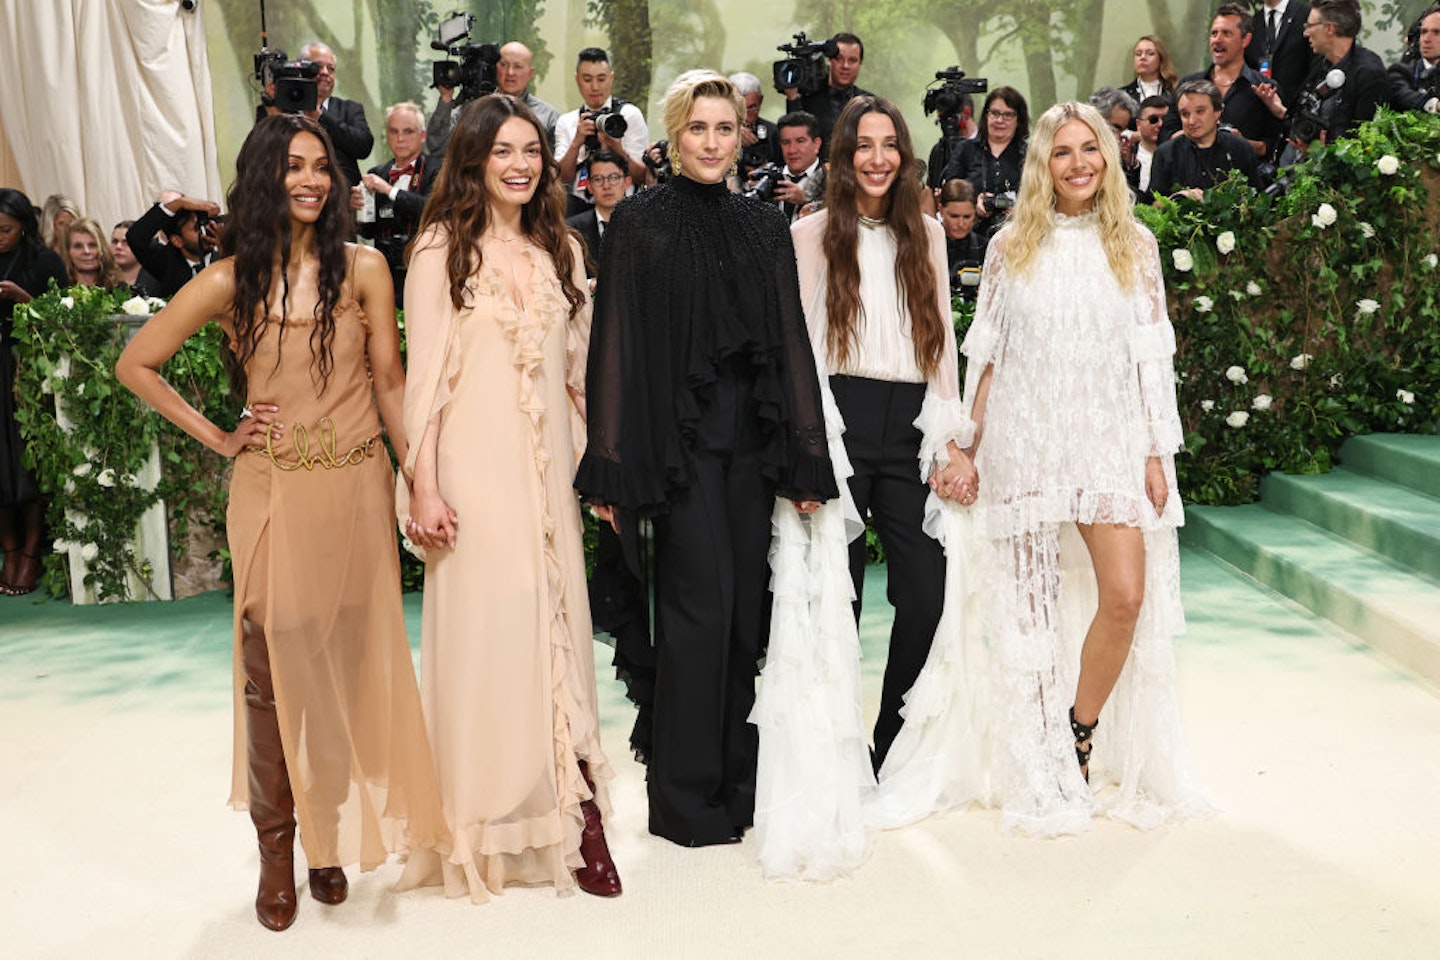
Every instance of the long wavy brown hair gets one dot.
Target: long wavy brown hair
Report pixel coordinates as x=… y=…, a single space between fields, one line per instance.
x=913 y=270
x=460 y=204
x=259 y=238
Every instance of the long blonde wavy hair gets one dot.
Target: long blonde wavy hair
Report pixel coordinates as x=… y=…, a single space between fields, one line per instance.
x=1033 y=218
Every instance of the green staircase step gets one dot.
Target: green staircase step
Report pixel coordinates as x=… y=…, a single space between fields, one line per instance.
x=1411 y=460
x=1387 y=606
x=1394 y=521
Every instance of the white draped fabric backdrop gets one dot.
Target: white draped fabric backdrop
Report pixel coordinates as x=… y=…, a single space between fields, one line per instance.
x=106 y=101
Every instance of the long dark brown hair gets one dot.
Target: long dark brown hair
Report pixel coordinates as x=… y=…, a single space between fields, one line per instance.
x=258 y=237
x=460 y=204
x=913 y=270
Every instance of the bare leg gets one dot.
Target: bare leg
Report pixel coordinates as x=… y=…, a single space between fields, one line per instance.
x=1118 y=555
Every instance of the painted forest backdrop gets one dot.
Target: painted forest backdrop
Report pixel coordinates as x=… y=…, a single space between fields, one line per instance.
x=1049 y=49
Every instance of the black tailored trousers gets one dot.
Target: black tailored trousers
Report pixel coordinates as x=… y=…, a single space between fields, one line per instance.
x=884 y=447
x=712 y=614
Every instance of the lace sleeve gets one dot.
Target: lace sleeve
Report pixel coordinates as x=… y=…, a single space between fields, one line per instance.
x=986 y=336
x=1152 y=347
x=943 y=417
x=810 y=475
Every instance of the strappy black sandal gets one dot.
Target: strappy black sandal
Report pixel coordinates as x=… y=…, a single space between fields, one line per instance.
x=1084 y=734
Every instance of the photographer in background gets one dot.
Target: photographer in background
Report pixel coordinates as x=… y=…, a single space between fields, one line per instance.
x=343 y=119
x=804 y=180
x=1415 y=80
x=400 y=187
x=513 y=73
x=826 y=105
x=1191 y=164
x=190 y=240
x=1245 y=95
x=994 y=160
x=759 y=139
x=964 y=247
x=1331 y=29
x=577 y=135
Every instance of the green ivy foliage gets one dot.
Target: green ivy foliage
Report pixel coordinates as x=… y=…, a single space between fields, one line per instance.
x=67 y=342
x=1304 y=320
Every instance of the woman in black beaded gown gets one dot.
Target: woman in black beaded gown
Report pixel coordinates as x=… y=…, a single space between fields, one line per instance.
x=26 y=268
x=703 y=407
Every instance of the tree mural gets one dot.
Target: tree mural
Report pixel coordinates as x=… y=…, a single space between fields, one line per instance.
x=627 y=24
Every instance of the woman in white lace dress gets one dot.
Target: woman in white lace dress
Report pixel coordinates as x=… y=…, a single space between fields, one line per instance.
x=1071 y=385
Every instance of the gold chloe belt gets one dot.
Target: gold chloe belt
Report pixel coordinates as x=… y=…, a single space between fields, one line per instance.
x=327 y=456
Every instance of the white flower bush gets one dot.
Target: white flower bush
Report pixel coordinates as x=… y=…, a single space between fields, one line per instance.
x=1237 y=419
x=1207 y=405
x=1366 y=306
x=1324 y=217
x=1253 y=289
x=1236 y=375
x=1388 y=165
x=83 y=470
x=106 y=478
x=136 y=307
x=1366 y=230
x=1262 y=401
x=1204 y=304
x=1182 y=259
x=1405 y=397
x=1300 y=361
x=1225 y=243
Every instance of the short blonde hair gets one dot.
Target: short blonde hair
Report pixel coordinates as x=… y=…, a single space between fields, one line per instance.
x=679 y=101
x=1034 y=208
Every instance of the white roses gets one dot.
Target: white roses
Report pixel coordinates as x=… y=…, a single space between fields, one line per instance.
x=1225 y=242
x=1325 y=216
x=1253 y=289
x=1366 y=306
x=1237 y=419
x=1300 y=361
x=1182 y=259
x=136 y=307
x=1388 y=165
x=1236 y=375
x=1204 y=304
x=1262 y=401
x=1405 y=397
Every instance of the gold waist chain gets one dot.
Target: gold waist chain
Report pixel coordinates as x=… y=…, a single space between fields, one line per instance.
x=327 y=456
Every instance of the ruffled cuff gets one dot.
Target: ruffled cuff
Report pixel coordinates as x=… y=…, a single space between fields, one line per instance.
x=1152 y=341
x=809 y=477
x=605 y=481
x=941 y=421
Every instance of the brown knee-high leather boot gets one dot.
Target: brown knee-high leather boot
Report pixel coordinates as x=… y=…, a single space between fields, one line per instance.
x=272 y=805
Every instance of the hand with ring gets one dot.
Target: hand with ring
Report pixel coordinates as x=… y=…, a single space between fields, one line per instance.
x=255 y=421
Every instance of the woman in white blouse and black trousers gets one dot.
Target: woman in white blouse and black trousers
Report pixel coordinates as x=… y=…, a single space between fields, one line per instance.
x=872 y=272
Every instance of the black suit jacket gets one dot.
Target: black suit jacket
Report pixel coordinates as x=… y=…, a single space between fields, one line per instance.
x=163 y=260
x=345 y=121
x=407 y=205
x=1290 y=60
x=588 y=224
x=1410 y=83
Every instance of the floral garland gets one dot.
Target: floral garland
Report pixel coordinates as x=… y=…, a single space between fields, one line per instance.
x=67 y=342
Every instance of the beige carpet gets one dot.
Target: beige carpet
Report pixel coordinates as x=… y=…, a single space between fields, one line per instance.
x=1324 y=758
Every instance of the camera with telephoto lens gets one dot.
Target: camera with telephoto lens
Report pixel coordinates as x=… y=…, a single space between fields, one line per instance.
x=761 y=185
x=1307 y=121
x=608 y=121
x=1002 y=202
x=473 y=74
x=807 y=69
x=294 y=81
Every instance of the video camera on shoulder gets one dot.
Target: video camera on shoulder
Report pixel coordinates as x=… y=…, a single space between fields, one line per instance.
x=807 y=69
x=293 y=80
x=949 y=98
x=473 y=74
x=1308 y=118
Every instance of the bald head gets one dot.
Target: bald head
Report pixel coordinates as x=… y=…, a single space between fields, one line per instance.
x=514 y=71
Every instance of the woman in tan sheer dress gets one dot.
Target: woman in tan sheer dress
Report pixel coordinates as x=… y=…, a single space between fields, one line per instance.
x=498 y=325
x=328 y=725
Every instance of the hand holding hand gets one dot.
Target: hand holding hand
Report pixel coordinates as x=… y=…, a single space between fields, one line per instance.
x=431 y=524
